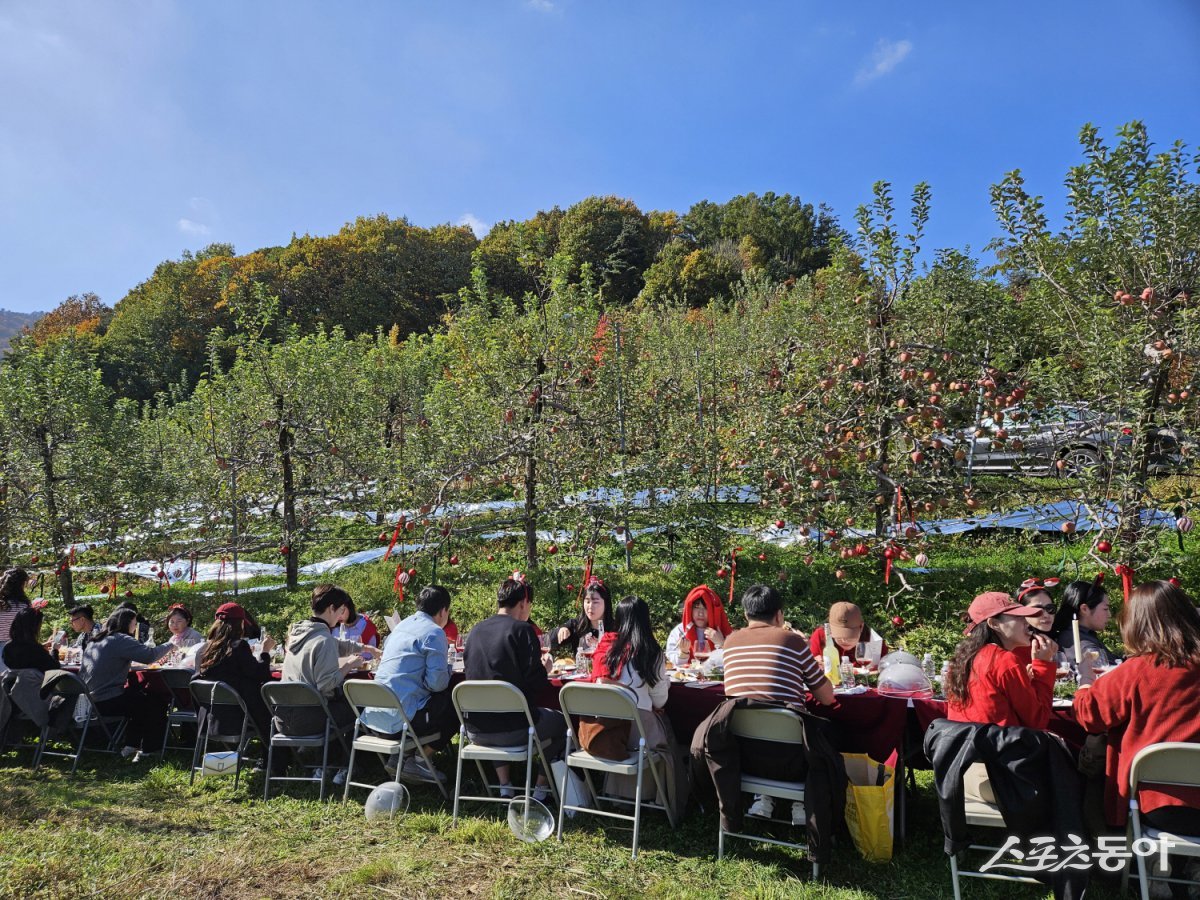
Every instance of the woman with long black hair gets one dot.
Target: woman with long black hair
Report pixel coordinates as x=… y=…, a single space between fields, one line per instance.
x=12 y=601
x=105 y=670
x=227 y=657
x=631 y=656
x=1087 y=601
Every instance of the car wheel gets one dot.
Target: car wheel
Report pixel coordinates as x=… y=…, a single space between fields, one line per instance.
x=1078 y=460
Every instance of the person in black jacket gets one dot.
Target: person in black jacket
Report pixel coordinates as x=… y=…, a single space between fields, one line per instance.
x=505 y=648
x=227 y=657
x=23 y=650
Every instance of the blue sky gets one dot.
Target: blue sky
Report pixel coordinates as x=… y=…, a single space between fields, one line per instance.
x=131 y=131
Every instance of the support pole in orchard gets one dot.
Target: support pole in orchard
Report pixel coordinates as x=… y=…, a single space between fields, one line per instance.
x=624 y=461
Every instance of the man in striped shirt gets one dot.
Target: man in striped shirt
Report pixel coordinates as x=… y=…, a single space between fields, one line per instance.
x=765 y=661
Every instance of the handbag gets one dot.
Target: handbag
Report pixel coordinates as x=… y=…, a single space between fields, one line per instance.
x=604 y=738
x=870 y=805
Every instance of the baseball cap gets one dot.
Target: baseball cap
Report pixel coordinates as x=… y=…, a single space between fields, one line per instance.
x=231 y=612
x=995 y=603
x=845 y=621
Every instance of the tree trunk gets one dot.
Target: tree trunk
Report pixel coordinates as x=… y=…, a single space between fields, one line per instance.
x=883 y=432
x=286 y=445
x=1133 y=496
x=531 y=517
x=58 y=537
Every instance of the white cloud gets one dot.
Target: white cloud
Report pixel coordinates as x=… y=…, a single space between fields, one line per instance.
x=187 y=226
x=885 y=57
x=475 y=223
x=545 y=6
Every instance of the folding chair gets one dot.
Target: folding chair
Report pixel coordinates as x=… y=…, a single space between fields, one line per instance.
x=209 y=695
x=76 y=696
x=362 y=694
x=284 y=696
x=1172 y=763
x=495 y=697
x=610 y=702
x=780 y=726
x=11 y=713
x=181 y=710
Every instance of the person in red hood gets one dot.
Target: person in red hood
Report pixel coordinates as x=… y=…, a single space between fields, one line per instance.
x=703 y=628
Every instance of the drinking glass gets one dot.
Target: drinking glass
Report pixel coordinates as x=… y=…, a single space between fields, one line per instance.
x=544 y=642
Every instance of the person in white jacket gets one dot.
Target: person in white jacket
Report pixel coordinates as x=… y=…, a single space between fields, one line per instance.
x=315 y=657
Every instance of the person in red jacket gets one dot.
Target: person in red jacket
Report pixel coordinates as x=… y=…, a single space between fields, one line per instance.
x=1153 y=696
x=987 y=681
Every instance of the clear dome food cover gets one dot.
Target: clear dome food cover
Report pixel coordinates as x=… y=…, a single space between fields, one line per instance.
x=904 y=679
x=898 y=656
x=387 y=801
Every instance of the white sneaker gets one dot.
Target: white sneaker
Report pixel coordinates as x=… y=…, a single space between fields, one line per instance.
x=507 y=792
x=339 y=777
x=318 y=774
x=763 y=807
x=542 y=794
x=414 y=767
x=798 y=812
x=127 y=752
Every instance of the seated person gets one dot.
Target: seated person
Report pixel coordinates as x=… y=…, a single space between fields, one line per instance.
x=505 y=647
x=315 y=657
x=1087 y=601
x=227 y=657
x=1153 y=696
x=849 y=629
x=84 y=624
x=143 y=624
x=183 y=635
x=595 y=620
x=27 y=661
x=105 y=670
x=987 y=681
x=703 y=628
x=356 y=627
x=414 y=667
x=630 y=655
x=24 y=650
x=768 y=662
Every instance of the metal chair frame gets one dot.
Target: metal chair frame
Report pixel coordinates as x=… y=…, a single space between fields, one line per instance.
x=779 y=726
x=178 y=681
x=495 y=697
x=72 y=689
x=1161 y=763
x=206 y=695
x=284 y=695
x=611 y=702
x=363 y=694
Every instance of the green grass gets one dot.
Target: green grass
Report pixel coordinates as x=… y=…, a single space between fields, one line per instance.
x=119 y=830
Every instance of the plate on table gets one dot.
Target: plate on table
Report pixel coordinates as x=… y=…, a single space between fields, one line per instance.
x=1062 y=703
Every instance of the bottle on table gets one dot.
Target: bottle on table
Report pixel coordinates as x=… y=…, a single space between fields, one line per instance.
x=929 y=667
x=847 y=672
x=583 y=665
x=832 y=659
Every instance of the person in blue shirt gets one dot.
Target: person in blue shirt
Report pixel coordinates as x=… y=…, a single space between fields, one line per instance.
x=415 y=667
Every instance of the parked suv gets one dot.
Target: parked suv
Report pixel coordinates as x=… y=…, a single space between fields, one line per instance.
x=1072 y=432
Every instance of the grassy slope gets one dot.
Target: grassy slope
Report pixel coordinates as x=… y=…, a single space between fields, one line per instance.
x=121 y=831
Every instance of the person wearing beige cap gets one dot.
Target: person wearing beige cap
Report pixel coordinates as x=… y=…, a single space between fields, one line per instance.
x=849 y=629
x=989 y=683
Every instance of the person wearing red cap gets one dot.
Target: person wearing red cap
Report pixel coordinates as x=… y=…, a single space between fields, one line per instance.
x=227 y=657
x=703 y=628
x=987 y=681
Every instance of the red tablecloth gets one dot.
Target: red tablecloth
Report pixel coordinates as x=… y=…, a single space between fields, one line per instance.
x=1062 y=721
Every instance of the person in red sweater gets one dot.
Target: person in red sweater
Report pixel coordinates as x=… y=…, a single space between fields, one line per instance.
x=1153 y=696
x=990 y=683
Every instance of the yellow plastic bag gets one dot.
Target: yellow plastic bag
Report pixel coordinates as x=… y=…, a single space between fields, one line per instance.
x=870 y=805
